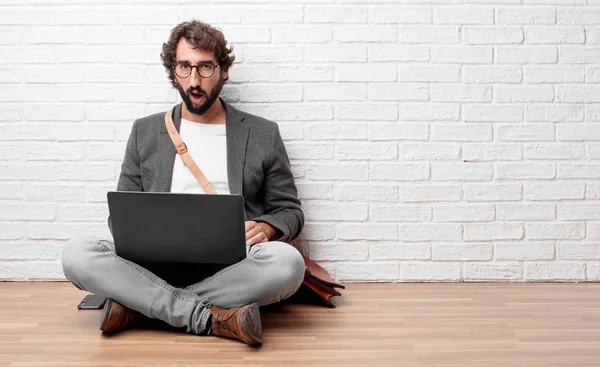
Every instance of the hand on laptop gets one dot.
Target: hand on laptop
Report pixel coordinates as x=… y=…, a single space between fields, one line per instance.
x=258 y=232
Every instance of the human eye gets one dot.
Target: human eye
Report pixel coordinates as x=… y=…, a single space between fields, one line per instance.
x=206 y=67
x=184 y=66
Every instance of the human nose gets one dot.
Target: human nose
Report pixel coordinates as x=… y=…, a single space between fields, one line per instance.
x=194 y=77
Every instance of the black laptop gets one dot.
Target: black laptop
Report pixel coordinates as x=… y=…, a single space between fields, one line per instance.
x=157 y=227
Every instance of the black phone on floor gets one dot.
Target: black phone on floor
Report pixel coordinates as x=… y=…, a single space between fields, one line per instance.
x=92 y=302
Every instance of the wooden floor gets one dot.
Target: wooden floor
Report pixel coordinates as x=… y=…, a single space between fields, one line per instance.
x=450 y=324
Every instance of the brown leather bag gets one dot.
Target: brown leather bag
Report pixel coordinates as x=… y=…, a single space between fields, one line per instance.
x=316 y=281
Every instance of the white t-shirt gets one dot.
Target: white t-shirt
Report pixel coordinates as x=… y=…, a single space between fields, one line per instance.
x=207 y=145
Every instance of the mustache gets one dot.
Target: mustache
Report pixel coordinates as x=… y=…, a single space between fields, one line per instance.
x=197 y=89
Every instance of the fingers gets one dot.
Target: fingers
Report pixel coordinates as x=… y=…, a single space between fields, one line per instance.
x=250 y=224
x=253 y=232
x=259 y=238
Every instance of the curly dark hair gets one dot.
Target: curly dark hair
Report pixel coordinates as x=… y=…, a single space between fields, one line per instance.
x=200 y=35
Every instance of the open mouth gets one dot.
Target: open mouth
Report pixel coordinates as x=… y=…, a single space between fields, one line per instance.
x=196 y=97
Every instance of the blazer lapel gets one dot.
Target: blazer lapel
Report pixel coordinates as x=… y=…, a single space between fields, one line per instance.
x=237 y=140
x=167 y=153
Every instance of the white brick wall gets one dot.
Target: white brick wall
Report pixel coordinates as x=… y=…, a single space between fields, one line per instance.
x=433 y=140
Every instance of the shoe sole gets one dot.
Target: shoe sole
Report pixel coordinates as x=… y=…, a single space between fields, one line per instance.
x=252 y=324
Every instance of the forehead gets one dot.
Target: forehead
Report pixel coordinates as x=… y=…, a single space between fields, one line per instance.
x=186 y=52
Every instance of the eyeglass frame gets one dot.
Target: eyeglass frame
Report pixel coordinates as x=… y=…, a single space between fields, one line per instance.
x=214 y=67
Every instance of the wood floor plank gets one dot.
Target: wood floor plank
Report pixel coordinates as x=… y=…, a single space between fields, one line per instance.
x=378 y=324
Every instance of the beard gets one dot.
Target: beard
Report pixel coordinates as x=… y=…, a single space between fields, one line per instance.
x=209 y=98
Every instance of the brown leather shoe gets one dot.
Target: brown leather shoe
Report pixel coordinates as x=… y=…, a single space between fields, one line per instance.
x=241 y=323
x=117 y=317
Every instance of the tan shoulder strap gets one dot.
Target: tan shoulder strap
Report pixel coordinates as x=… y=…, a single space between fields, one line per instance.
x=181 y=149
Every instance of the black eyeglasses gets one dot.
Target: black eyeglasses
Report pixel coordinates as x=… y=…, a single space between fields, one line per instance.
x=204 y=69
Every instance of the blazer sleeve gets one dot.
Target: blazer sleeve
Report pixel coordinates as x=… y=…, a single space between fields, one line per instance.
x=282 y=207
x=130 y=178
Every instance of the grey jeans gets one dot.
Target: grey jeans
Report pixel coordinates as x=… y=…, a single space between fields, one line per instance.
x=271 y=272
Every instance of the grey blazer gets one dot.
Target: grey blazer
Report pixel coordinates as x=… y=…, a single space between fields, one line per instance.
x=258 y=166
